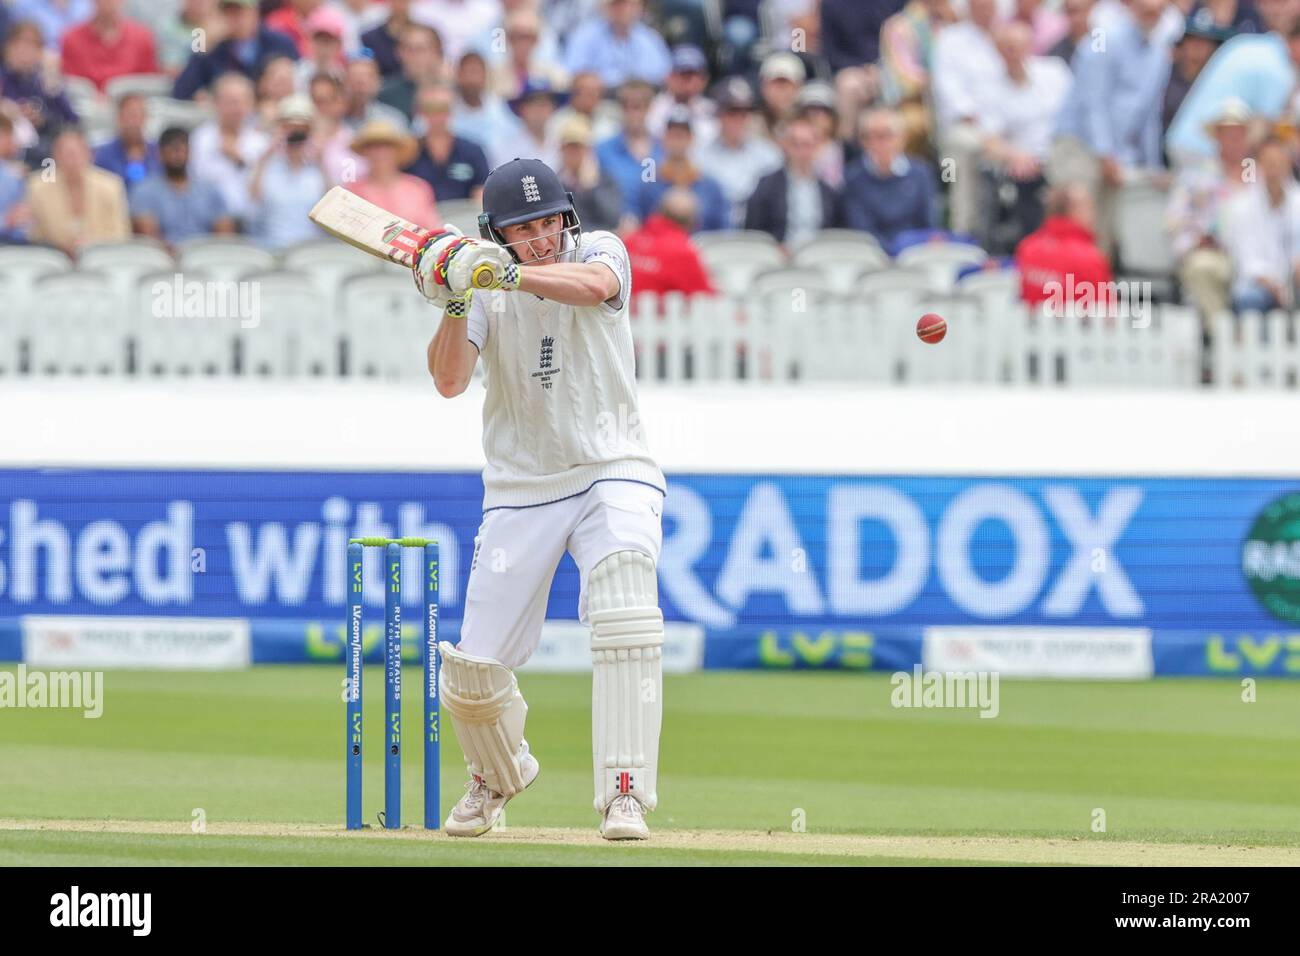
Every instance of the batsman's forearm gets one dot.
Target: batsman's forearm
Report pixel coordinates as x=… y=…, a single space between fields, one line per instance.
x=571 y=283
x=452 y=357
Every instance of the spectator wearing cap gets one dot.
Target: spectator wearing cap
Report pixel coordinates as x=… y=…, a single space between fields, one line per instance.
x=480 y=114
x=80 y=206
x=850 y=30
x=906 y=60
x=524 y=59
x=1109 y=128
x=287 y=180
x=52 y=18
x=739 y=157
x=1260 y=70
x=330 y=134
x=587 y=99
x=1200 y=39
x=793 y=204
x=387 y=150
x=596 y=196
x=1229 y=16
x=129 y=154
x=661 y=253
x=223 y=150
x=459 y=21
x=535 y=105
x=22 y=81
x=174 y=33
x=678 y=170
x=290 y=18
x=1027 y=96
x=633 y=153
x=172 y=205
x=966 y=61
x=108 y=45
x=780 y=78
x=324 y=31
x=1078 y=27
x=1194 y=216
x=420 y=51
x=816 y=103
x=885 y=192
x=1047 y=28
x=1062 y=254
x=15 y=212
x=618 y=46
x=454 y=167
x=246 y=48
x=1262 y=233
x=382 y=40
x=685 y=88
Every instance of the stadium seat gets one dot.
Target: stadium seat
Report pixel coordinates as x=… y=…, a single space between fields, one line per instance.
x=329 y=263
x=792 y=318
x=170 y=337
x=941 y=261
x=123 y=263
x=1141 y=240
x=21 y=267
x=841 y=255
x=993 y=288
x=82 y=94
x=223 y=257
x=733 y=259
x=148 y=85
x=386 y=328
x=461 y=213
x=295 y=335
x=163 y=112
x=77 y=328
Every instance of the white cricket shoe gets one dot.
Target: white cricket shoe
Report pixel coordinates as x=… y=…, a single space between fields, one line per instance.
x=624 y=819
x=479 y=810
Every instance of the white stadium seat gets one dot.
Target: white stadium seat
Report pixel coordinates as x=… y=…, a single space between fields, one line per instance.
x=461 y=213
x=223 y=257
x=842 y=256
x=387 y=328
x=123 y=263
x=77 y=327
x=941 y=261
x=329 y=263
x=733 y=259
x=148 y=85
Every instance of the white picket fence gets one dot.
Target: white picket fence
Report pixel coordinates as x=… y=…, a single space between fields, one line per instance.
x=329 y=312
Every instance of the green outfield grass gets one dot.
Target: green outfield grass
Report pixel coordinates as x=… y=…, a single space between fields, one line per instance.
x=1170 y=761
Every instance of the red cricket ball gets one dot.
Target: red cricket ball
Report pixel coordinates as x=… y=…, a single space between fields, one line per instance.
x=931 y=328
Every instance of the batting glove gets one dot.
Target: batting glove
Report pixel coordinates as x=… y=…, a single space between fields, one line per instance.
x=480 y=266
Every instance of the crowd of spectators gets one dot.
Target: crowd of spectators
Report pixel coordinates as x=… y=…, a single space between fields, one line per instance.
x=1018 y=125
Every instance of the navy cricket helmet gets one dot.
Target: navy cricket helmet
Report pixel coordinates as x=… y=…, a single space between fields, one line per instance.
x=523 y=190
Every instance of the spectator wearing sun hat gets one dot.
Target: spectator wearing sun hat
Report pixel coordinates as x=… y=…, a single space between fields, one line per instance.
x=685 y=87
x=387 y=150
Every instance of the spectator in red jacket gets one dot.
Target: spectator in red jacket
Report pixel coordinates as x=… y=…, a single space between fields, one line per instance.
x=1060 y=262
x=108 y=45
x=663 y=259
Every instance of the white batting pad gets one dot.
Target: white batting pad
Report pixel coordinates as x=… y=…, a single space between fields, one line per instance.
x=627 y=636
x=488 y=712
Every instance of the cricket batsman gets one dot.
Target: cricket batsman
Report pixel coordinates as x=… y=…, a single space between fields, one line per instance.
x=545 y=307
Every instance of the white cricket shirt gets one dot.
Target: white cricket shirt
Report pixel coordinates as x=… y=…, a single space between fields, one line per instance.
x=561 y=409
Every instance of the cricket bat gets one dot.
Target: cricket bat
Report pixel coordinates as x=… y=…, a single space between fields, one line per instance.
x=358 y=222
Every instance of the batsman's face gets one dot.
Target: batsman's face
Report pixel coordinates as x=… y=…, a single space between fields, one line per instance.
x=538 y=240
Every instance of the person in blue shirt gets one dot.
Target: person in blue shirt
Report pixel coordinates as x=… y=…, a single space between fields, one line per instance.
x=1110 y=124
x=632 y=154
x=172 y=206
x=618 y=46
x=14 y=211
x=885 y=192
x=129 y=154
x=246 y=49
x=456 y=168
x=676 y=170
